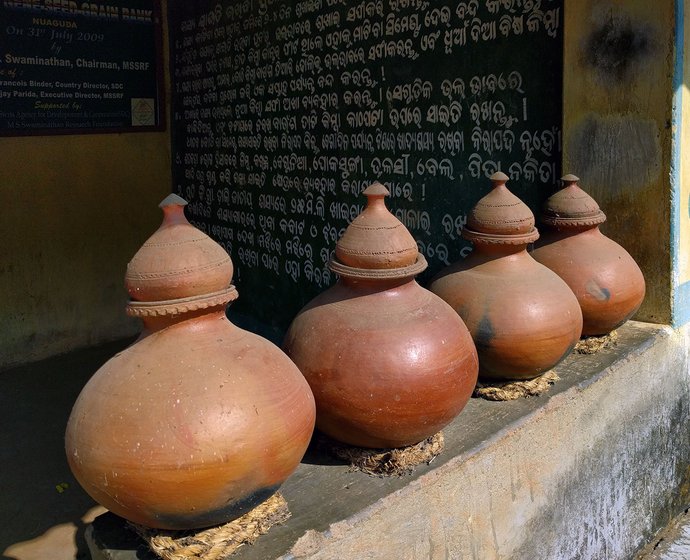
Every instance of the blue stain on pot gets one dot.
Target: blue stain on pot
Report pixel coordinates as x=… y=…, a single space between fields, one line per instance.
x=596 y=291
x=233 y=510
x=485 y=332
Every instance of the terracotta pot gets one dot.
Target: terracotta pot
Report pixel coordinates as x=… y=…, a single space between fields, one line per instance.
x=606 y=280
x=177 y=261
x=376 y=239
x=389 y=362
x=198 y=421
x=523 y=318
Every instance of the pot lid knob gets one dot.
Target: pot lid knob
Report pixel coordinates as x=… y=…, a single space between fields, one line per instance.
x=500 y=217
x=571 y=207
x=177 y=261
x=376 y=239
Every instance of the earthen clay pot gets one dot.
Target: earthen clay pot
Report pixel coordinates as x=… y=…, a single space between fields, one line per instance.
x=604 y=277
x=389 y=362
x=198 y=421
x=177 y=261
x=376 y=238
x=523 y=318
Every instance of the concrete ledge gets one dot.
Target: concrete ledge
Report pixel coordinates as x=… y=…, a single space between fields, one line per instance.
x=671 y=543
x=590 y=470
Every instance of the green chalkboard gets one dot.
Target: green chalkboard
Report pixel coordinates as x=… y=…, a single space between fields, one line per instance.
x=285 y=111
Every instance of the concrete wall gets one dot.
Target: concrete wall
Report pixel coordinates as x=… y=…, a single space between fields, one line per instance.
x=74 y=210
x=619 y=63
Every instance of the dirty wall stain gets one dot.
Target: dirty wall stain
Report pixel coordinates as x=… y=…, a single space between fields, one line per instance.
x=618 y=152
x=618 y=48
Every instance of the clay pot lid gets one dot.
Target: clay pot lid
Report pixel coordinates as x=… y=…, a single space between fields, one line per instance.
x=500 y=217
x=571 y=207
x=376 y=241
x=178 y=262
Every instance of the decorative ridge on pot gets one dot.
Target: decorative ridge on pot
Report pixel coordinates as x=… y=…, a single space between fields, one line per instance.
x=571 y=207
x=500 y=217
x=181 y=305
x=178 y=262
x=376 y=245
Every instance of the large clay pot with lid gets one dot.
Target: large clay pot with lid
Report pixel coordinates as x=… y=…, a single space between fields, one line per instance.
x=523 y=318
x=198 y=421
x=606 y=280
x=389 y=362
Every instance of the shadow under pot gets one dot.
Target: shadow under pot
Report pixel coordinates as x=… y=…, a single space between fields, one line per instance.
x=607 y=282
x=389 y=363
x=522 y=317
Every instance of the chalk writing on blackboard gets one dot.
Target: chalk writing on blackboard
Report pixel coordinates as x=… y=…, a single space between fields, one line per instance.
x=285 y=111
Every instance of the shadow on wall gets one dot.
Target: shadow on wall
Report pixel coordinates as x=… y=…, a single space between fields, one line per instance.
x=44 y=510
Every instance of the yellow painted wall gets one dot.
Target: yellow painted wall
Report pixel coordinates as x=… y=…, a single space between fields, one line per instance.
x=617 y=125
x=74 y=210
